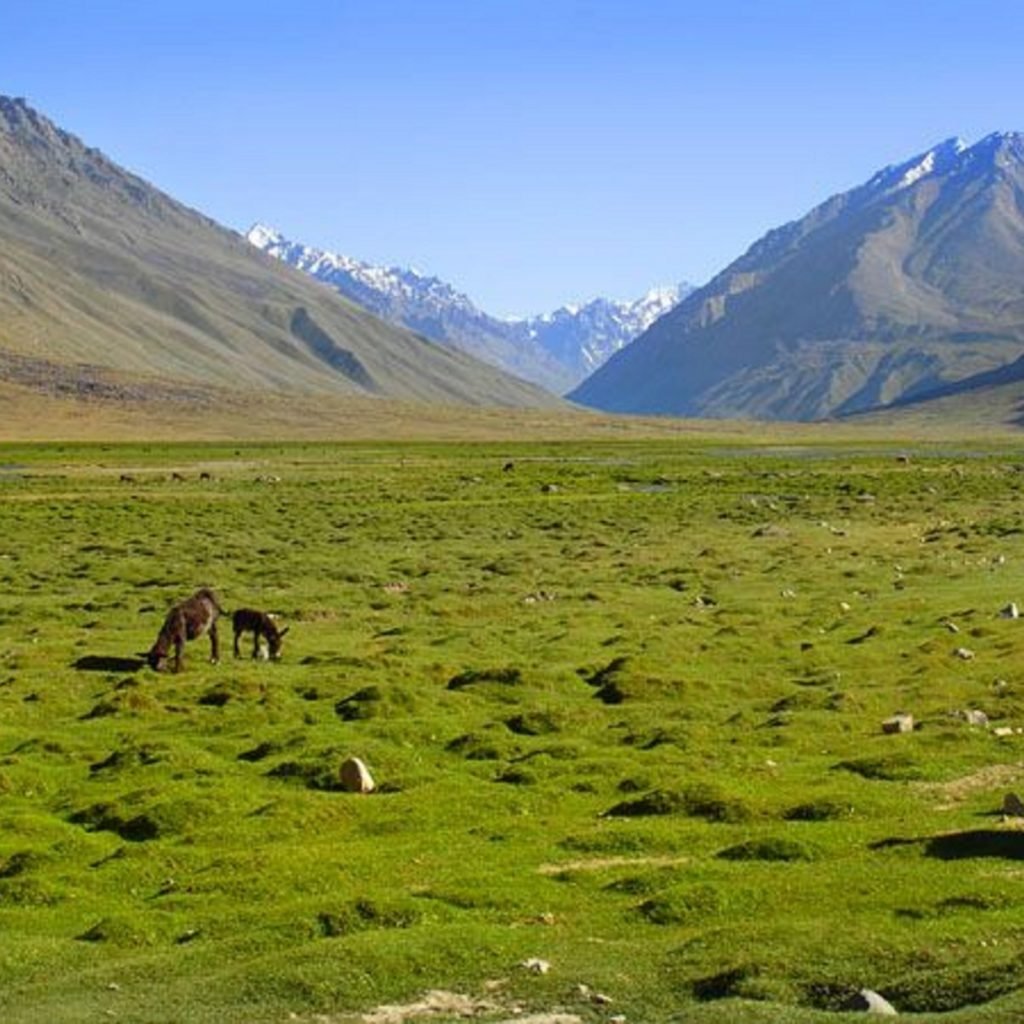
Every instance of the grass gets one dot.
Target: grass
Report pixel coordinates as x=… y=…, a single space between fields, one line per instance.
x=623 y=702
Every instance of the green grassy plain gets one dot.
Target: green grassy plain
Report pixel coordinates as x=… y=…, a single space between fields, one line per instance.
x=623 y=701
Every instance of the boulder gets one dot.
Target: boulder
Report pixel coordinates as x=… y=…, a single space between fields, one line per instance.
x=898 y=723
x=867 y=1001
x=1013 y=806
x=356 y=777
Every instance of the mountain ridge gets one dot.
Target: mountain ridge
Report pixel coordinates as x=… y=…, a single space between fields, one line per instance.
x=898 y=286
x=99 y=267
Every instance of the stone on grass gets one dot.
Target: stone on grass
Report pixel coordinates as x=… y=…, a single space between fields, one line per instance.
x=1013 y=806
x=1011 y=611
x=974 y=716
x=898 y=723
x=1002 y=731
x=868 y=1001
x=356 y=777
x=964 y=653
x=535 y=965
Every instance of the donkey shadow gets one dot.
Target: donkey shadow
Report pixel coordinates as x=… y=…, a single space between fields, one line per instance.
x=107 y=663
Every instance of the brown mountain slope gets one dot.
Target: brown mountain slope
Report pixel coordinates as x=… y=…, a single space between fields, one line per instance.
x=913 y=280
x=98 y=267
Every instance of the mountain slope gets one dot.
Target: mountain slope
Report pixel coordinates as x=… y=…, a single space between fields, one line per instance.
x=556 y=350
x=98 y=267
x=909 y=282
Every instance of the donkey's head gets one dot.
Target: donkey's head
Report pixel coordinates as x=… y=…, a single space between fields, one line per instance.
x=274 y=638
x=156 y=657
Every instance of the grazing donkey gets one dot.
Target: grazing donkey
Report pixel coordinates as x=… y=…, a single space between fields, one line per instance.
x=260 y=624
x=186 y=621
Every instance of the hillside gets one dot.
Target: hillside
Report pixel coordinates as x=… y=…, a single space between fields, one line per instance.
x=102 y=276
x=910 y=282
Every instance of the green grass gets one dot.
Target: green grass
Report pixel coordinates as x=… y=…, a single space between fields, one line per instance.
x=623 y=702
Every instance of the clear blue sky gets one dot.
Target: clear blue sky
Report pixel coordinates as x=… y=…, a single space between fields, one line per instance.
x=531 y=152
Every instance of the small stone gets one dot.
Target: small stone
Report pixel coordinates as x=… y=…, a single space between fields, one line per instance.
x=964 y=653
x=355 y=777
x=1002 y=731
x=951 y=626
x=972 y=716
x=898 y=723
x=1011 y=611
x=868 y=1001
x=535 y=965
x=1013 y=806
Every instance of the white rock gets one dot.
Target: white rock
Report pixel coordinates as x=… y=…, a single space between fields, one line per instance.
x=1011 y=611
x=868 y=1001
x=536 y=965
x=356 y=777
x=898 y=723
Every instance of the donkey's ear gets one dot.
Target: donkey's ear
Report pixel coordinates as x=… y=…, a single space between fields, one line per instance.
x=283 y=631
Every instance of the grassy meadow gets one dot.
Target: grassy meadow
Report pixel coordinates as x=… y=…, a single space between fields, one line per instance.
x=623 y=702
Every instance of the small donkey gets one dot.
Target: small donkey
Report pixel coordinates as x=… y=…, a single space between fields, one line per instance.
x=260 y=624
x=186 y=621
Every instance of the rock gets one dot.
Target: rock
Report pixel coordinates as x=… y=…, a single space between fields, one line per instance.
x=964 y=653
x=898 y=723
x=1002 y=731
x=355 y=777
x=535 y=965
x=867 y=1001
x=1011 y=611
x=1013 y=806
x=972 y=716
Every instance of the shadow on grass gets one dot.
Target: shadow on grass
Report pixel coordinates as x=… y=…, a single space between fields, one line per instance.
x=106 y=663
x=963 y=845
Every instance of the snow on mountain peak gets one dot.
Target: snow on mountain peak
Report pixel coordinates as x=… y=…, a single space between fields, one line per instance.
x=263 y=236
x=555 y=349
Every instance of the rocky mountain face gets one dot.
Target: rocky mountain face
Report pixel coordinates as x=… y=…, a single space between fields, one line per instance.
x=107 y=281
x=904 y=285
x=556 y=350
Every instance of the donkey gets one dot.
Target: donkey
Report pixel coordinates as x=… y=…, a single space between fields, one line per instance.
x=186 y=621
x=260 y=624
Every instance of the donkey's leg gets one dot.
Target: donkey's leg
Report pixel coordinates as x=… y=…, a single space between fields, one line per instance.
x=214 y=647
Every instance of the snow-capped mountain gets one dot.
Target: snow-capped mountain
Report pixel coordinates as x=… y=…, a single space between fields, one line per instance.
x=556 y=350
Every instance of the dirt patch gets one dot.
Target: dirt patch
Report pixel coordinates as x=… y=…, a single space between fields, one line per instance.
x=441 y=1005
x=603 y=863
x=996 y=777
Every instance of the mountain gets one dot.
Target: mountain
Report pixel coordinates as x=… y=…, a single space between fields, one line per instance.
x=556 y=350
x=106 y=283
x=908 y=283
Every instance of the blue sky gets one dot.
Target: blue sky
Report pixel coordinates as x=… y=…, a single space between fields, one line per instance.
x=530 y=153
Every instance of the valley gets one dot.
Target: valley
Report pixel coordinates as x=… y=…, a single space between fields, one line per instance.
x=623 y=701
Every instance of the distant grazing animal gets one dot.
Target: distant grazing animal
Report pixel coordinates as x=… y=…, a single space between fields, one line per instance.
x=186 y=621
x=260 y=624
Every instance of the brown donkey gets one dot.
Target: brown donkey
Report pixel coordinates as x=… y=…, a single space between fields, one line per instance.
x=260 y=624
x=186 y=621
